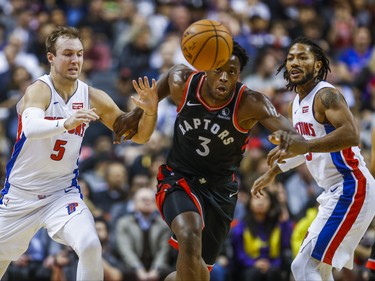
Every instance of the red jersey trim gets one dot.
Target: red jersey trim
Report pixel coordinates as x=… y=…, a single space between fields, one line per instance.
x=354 y=209
x=186 y=90
x=235 y=121
x=370 y=264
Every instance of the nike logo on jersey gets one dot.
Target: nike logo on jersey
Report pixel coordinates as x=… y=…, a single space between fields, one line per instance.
x=334 y=189
x=67 y=190
x=56 y=102
x=192 y=104
x=232 y=194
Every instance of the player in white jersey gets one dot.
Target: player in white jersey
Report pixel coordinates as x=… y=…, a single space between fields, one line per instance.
x=329 y=147
x=41 y=188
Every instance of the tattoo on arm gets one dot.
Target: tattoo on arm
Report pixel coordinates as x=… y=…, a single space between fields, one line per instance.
x=331 y=99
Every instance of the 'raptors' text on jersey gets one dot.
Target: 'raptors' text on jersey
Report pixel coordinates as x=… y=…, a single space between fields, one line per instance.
x=207 y=140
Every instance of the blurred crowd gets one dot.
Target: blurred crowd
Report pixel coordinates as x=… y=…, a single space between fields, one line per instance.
x=125 y=39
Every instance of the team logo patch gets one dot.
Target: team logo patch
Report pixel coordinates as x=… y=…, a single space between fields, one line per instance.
x=6 y=202
x=225 y=112
x=71 y=208
x=305 y=109
x=77 y=105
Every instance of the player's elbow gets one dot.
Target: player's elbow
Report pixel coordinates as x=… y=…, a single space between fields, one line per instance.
x=354 y=138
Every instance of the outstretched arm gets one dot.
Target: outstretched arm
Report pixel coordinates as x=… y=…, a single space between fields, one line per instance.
x=34 y=103
x=148 y=101
x=276 y=167
x=109 y=112
x=171 y=83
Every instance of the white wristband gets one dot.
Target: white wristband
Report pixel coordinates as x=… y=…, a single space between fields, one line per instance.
x=35 y=126
x=291 y=163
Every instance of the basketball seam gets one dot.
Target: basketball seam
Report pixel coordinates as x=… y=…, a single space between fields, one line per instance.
x=220 y=40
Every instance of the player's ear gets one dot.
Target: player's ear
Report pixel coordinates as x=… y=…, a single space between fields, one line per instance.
x=318 y=66
x=50 y=57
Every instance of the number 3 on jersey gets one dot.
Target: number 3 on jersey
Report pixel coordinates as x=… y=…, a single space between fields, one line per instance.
x=205 y=150
x=60 y=150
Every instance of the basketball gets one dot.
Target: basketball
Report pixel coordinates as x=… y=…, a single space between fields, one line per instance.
x=207 y=44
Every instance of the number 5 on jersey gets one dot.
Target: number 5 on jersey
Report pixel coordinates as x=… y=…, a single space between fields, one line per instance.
x=60 y=150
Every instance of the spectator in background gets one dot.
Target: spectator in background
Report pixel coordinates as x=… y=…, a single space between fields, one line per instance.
x=162 y=59
x=87 y=195
x=247 y=8
x=365 y=85
x=96 y=19
x=116 y=178
x=142 y=240
x=36 y=263
x=75 y=11
x=302 y=191
x=264 y=79
x=126 y=206
x=151 y=150
x=136 y=55
x=341 y=26
x=38 y=41
x=2 y=35
x=20 y=80
x=301 y=227
x=129 y=22
x=259 y=240
x=5 y=149
x=14 y=54
x=362 y=12
x=113 y=269
x=124 y=89
x=58 y=17
x=278 y=38
x=97 y=54
x=180 y=18
x=357 y=55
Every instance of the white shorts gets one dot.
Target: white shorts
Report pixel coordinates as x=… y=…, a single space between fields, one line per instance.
x=341 y=222
x=23 y=214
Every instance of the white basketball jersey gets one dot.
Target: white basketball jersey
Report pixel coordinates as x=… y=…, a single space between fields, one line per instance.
x=43 y=166
x=327 y=169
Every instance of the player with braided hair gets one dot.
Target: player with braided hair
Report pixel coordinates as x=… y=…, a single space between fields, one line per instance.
x=329 y=148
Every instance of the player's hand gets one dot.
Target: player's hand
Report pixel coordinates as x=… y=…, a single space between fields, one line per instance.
x=262 y=182
x=79 y=117
x=289 y=142
x=277 y=155
x=147 y=96
x=126 y=125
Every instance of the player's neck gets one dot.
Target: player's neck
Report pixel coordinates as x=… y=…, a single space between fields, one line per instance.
x=305 y=89
x=64 y=87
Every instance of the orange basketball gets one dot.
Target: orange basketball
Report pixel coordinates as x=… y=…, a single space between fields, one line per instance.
x=207 y=44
